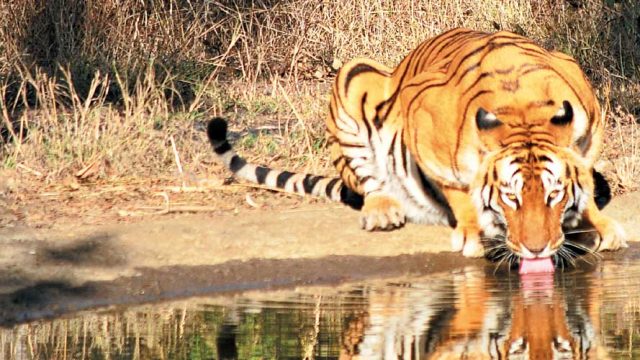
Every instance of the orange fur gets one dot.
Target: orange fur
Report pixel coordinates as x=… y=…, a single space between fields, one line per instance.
x=431 y=102
x=489 y=319
x=535 y=225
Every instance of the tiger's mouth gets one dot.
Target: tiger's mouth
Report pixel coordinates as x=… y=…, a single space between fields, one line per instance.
x=564 y=252
x=502 y=249
x=533 y=262
x=523 y=251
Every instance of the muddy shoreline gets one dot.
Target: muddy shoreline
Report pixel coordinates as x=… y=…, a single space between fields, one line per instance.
x=48 y=273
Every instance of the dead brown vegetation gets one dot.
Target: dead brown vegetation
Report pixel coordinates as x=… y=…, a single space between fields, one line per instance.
x=116 y=89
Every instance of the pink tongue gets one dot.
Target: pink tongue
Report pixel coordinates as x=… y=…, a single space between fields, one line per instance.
x=541 y=265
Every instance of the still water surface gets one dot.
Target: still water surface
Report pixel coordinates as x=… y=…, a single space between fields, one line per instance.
x=472 y=314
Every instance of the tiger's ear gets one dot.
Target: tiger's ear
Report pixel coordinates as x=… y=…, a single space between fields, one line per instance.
x=564 y=115
x=486 y=120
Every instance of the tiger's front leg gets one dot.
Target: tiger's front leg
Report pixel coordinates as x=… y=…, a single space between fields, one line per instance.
x=611 y=235
x=466 y=235
x=360 y=133
x=381 y=212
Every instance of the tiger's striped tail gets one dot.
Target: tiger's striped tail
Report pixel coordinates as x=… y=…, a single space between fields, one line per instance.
x=303 y=184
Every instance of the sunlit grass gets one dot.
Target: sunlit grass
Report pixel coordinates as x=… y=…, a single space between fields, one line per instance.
x=116 y=80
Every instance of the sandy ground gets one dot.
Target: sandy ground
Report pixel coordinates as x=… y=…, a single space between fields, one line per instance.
x=45 y=272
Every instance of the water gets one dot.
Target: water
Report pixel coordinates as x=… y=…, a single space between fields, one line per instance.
x=472 y=313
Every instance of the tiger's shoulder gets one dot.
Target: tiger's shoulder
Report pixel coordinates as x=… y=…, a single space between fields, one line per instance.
x=467 y=92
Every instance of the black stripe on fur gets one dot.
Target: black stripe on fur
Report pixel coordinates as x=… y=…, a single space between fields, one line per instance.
x=261 y=174
x=222 y=148
x=282 y=178
x=330 y=186
x=355 y=71
x=310 y=182
x=237 y=163
x=351 y=198
x=433 y=192
x=602 y=191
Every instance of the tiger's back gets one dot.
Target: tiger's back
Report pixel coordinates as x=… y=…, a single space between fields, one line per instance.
x=429 y=97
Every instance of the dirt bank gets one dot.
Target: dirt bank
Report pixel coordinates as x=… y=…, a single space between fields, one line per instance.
x=45 y=272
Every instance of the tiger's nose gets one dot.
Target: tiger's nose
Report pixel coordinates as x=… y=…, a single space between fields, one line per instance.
x=537 y=250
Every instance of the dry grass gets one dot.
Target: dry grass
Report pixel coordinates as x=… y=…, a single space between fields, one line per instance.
x=621 y=158
x=182 y=330
x=99 y=89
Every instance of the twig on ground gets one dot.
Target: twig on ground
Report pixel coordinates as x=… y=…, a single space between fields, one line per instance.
x=163 y=210
x=230 y=187
x=167 y=203
x=30 y=170
x=167 y=208
x=177 y=159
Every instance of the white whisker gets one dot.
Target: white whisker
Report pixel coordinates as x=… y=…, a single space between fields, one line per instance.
x=581 y=231
x=584 y=248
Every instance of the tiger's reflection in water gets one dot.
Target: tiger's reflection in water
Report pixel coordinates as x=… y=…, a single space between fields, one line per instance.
x=489 y=317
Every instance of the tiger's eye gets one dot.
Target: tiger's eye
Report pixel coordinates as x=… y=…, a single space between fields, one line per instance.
x=512 y=197
x=554 y=194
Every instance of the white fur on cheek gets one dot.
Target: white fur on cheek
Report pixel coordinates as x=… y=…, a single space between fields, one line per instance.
x=486 y=191
x=581 y=198
x=487 y=222
x=487 y=216
x=517 y=185
x=579 y=201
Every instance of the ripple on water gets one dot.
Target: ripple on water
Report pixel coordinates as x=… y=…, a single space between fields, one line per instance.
x=475 y=313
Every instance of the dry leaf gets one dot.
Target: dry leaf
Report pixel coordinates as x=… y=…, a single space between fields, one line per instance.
x=90 y=170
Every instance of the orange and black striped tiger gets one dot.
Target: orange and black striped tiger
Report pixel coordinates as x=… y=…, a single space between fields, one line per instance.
x=488 y=133
x=485 y=317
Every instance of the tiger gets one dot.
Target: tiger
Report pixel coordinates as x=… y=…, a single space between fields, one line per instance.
x=484 y=317
x=487 y=133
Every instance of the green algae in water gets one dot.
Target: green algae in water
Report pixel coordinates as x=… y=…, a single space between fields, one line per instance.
x=475 y=313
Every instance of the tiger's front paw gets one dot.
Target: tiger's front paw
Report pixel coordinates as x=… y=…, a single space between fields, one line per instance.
x=467 y=240
x=381 y=212
x=612 y=236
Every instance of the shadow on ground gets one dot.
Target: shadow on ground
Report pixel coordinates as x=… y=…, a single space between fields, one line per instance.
x=51 y=298
x=47 y=299
x=95 y=250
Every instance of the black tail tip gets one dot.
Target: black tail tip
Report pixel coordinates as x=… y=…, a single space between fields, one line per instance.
x=217 y=130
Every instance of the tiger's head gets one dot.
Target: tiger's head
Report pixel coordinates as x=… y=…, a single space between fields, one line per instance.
x=526 y=193
x=474 y=314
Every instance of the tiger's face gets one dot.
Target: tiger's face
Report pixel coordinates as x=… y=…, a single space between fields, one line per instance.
x=525 y=196
x=488 y=318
